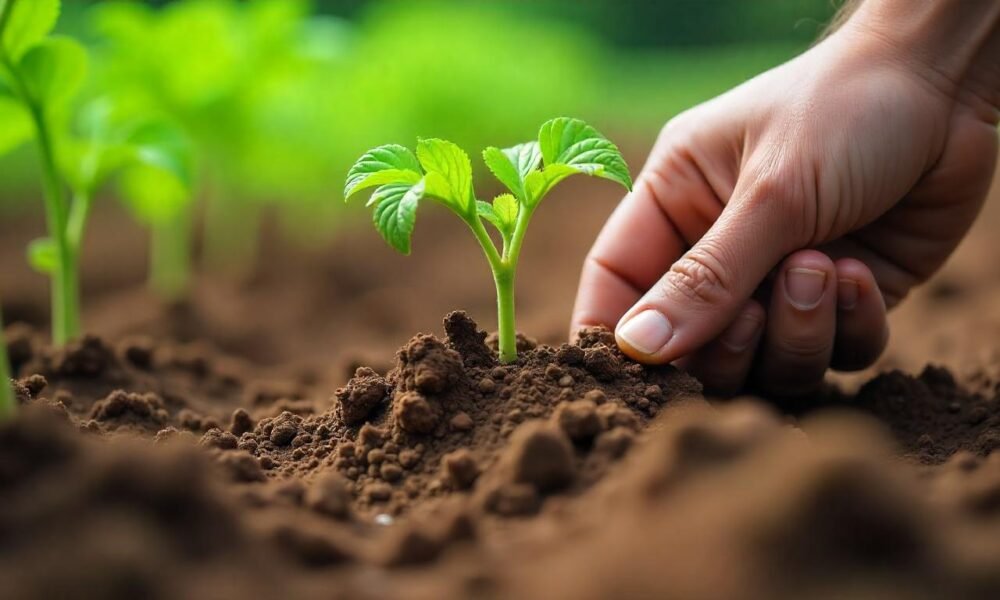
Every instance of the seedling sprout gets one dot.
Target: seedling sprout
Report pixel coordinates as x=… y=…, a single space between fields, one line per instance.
x=441 y=170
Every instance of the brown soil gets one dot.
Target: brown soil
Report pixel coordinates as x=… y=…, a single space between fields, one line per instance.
x=224 y=449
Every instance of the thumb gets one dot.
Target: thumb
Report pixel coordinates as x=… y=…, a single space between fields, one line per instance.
x=703 y=291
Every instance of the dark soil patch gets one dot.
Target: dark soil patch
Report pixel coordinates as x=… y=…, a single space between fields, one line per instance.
x=163 y=471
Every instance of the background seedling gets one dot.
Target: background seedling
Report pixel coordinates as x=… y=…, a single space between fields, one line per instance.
x=40 y=75
x=442 y=171
x=247 y=82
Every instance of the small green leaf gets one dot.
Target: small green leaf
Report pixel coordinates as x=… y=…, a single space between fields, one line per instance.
x=572 y=142
x=502 y=213
x=506 y=208
x=28 y=22
x=54 y=69
x=396 y=212
x=161 y=145
x=451 y=163
x=391 y=163
x=512 y=165
x=503 y=169
x=539 y=183
x=153 y=195
x=42 y=256
x=16 y=125
x=525 y=157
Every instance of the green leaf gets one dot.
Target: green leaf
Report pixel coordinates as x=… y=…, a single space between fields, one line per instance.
x=396 y=212
x=153 y=195
x=160 y=145
x=15 y=124
x=539 y=183
x=512 y=165
x=54 y=69
x=572 y=142
x=42 y=255
x=525 y=157
x=454 y=182
x=502 y=213
x=391 y=163
x=503 y=169
x=28 y=22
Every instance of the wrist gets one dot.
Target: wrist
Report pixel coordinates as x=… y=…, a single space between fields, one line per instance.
x=939 y=39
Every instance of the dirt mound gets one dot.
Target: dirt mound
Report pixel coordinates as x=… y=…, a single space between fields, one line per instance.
x=449 y=411
x=138 y=469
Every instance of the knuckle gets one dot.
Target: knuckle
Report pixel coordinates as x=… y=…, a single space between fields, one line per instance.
x=804 y=350
x=782 y=192
x=701 y=277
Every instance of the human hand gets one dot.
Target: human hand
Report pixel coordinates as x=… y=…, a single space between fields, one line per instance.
x=862 y=149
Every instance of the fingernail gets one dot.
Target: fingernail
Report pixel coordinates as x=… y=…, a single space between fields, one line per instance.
x=847 y=294
x=647 y=331
x=742 y=333
x=804 y=287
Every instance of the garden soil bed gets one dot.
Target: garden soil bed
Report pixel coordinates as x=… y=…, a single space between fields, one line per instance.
x=292 y=437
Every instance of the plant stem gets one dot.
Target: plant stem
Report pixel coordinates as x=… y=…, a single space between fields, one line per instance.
x=506 y=333
x=231 y=235
x=170 y=257
x=65 y=286
x=65 y=281
x=504 y=268
x=8 y=404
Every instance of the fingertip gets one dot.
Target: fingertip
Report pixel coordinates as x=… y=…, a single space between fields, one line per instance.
x=644 y=336
x=807 y=279
x=855 y=284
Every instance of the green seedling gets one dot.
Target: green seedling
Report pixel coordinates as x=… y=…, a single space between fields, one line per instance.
x=40 y=74
x=244 y=80
x=8 y=404
x=441 y=170
x=149 y=159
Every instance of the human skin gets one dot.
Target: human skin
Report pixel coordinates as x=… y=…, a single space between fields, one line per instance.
x=773 y=226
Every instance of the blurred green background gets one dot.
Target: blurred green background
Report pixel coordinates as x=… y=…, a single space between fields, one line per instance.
x=278 y=97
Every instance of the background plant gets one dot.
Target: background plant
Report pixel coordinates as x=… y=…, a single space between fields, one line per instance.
x=40 y=75
x=246 y=80
x=442 y=171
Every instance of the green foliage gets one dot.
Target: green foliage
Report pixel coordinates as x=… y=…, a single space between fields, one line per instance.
x=41 y=76
x=449 y=173
x=17 y=128
x=43 y=256
x=249 y=82
x=385 y=164
x=53 y=70
x=530 y=170
x=26 y=23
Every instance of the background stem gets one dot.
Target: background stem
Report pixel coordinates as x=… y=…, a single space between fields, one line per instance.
x=170 y=257
x=231 y=236
x=8 y=405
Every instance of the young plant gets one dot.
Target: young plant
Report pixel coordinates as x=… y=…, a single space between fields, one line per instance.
x=39 y=76
x=150 y=161
x=8 y=404
x=246 y=80
x=442 y=171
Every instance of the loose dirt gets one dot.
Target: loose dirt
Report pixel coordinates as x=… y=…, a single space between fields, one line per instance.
x=263 y=440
